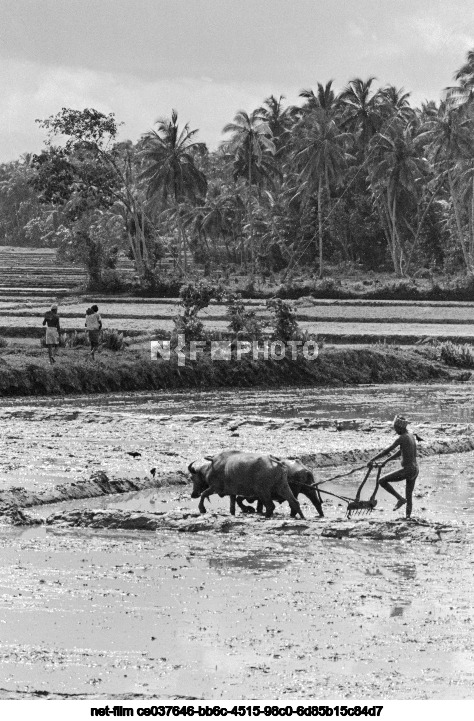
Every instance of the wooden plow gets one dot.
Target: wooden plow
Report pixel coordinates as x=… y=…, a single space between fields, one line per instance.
x=355 y=505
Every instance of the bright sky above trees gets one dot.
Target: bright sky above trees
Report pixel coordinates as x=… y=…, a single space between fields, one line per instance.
x=210 y=58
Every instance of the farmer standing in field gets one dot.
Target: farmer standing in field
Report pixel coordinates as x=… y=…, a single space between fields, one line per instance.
x=51 y=321
x=406 y=443
x=93 y=327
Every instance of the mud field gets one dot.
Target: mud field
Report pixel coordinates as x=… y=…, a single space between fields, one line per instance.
x=133 y=594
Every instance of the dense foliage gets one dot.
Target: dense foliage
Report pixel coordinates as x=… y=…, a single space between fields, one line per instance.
x=359 y=177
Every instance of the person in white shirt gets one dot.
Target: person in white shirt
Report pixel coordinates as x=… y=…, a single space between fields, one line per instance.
x=93 y=327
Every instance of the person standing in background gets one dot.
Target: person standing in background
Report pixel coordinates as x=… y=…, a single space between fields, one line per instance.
x=93 y=327
x=51 y=321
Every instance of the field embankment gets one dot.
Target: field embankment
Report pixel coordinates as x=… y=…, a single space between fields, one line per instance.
x=29 y=373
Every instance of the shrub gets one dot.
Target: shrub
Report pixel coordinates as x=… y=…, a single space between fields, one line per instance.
x=453 y=354
x=285 y=326
x=249 y=288
x=3 y=342
x=189 y=325
x=194 y=297
x=464 y=288
x=113 y=340
x=113 y=282
x=73 y=340
x=325 y=288
x=159 y=286
x=242 y=322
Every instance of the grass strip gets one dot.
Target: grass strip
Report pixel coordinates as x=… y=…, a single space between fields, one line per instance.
x=26 y=372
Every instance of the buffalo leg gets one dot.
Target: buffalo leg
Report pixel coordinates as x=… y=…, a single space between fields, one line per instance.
x=294 y=505
x=243 y=507
x=232 y=505
x=266 y=500
x=269 y=508
x=315 y=499
x=208 y=492
x=293 y=510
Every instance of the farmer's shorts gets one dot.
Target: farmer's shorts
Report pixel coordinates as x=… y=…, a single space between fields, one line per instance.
x=52 y=336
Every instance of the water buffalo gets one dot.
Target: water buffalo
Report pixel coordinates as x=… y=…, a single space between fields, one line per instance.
x=300 y=480
x=250 y=475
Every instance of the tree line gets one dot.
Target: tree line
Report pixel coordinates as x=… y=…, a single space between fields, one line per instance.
x=360 y=176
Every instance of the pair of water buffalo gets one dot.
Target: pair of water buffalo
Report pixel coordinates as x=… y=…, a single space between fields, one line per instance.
x=253 y=477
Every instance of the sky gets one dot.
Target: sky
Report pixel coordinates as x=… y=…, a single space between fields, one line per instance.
x=211 y=58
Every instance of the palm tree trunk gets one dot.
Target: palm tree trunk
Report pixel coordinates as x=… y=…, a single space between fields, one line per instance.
x=397 y=251
x=185 y=247
x=182 y=246
x=384 y=210
x=134 y=240
x=458 y=222
x=320 y=226
x=140 y=242
x=225 y=241
x=420 y=225
x=471 y=239
x=250 y=216
x=380 y=204
x=136 y=256
x=146 y=257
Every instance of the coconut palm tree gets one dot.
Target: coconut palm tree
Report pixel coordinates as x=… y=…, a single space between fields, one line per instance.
x=252 y=148
x=220 y=218
x=279 y=120
x=395 y=101
x=361 y=110
x=462 y=94
x=325 y=98
x=396 y=173
x=448 y=136
x=321 y=159
x=168 y=157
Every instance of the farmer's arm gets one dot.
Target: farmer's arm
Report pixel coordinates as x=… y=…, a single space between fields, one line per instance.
x=385 y=451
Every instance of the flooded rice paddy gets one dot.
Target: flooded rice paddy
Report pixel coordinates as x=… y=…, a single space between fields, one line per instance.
x=112 y=614
x=370 y=320
x=420 y=402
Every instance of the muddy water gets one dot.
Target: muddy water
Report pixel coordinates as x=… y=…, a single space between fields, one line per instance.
x=166 y=614
x=430 y=402
x=176 y=615
x=444 y=491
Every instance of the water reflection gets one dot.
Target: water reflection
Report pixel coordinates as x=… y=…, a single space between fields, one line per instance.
x=396 y=611
x=404 y=571
x=256 y=561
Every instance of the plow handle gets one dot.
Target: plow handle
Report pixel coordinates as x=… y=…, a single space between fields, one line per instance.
x=359 y=490
x=377 y=479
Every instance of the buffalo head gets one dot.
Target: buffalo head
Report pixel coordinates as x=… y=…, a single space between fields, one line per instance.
x=199 y=471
